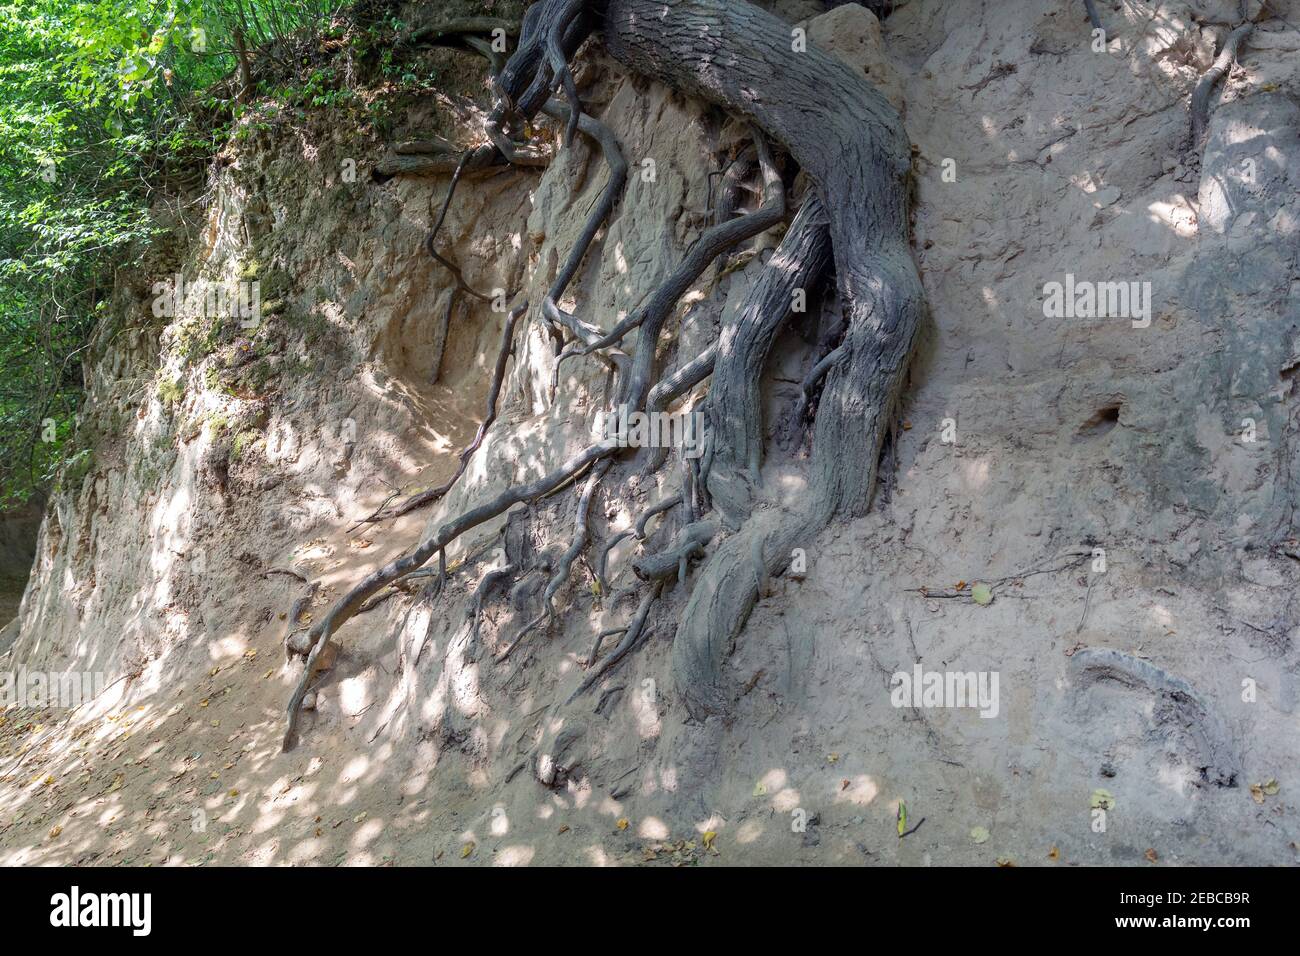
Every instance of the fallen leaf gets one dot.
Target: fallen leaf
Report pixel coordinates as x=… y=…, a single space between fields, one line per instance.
x=902 y=817
x=1101 y=800
x=979 y=835
x=564 y=829
x=1053 y=854
x=1151 y=855
x=709 y=837
x=467 y=849
x=622 y=823
x=1006 y=862
x=55 y=831
x=982 y=594
x=759 y=789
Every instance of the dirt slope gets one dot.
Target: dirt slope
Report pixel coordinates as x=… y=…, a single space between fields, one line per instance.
x=1028 y=442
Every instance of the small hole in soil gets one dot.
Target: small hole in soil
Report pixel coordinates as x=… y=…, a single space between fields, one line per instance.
x=1099 y=424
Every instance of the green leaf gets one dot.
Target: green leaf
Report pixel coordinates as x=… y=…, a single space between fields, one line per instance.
x=1101 y=800
x=982 y=594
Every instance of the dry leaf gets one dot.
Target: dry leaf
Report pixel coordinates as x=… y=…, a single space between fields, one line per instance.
x=467 y=849
x=1151 y=855
x=622 y=823
x=979 y=835
x=709 y=837
x=1053 y=854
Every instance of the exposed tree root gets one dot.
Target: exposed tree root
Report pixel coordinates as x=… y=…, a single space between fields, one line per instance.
x=1182 y=714
x=849 y=141
x=602 y=558
x=689 y=543
x=451 y=31
x=565 y=563
x=651 y=317
x=291 y=624
x=630 y=640
x=1204 y=91
x=600 y=639
x=431 y=495
x=435 y=543
x=657 y=508
x=475 y=609
x=815 y=375
x=733 y=407
x=599 y=215
x=1091 y=7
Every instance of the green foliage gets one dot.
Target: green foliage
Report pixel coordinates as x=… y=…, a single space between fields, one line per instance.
x=102 y=103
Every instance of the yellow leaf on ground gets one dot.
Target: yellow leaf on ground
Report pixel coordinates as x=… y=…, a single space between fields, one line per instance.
x=709 y=837
x=622 y=823
x=467 y=849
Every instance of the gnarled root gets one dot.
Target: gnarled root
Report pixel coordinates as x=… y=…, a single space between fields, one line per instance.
x=1204 y=91
x=565 y=563
x=635 y=631
x=349 y=604
x=688 y=543
x=733 y=407
x=850 y=141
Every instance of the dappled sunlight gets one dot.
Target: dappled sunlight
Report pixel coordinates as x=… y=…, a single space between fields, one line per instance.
x=861 y=791
x=975 y=473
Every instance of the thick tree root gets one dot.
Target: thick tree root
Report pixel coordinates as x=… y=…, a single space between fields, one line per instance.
x=689 y=543
x=733 y=408
x=850 y=141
